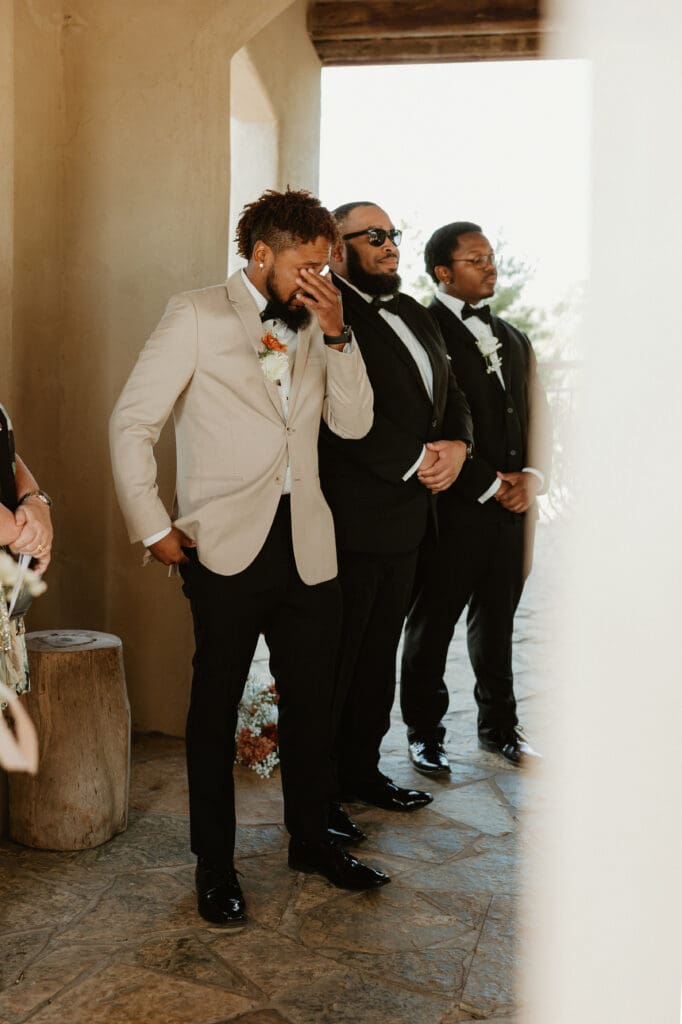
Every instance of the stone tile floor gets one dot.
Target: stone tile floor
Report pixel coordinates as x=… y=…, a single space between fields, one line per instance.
x=110 y=935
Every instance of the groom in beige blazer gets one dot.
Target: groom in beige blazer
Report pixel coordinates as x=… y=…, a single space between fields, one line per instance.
x=248 y=371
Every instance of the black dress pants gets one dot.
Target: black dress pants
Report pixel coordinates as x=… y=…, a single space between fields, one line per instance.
x=301 y=626
x=376 y=592
x=480 y=562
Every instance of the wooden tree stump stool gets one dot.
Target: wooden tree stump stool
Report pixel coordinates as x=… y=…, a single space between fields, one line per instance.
x=79 y=705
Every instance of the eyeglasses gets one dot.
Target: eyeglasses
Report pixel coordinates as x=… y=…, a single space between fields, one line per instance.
x=377 y=236
x=480 y=262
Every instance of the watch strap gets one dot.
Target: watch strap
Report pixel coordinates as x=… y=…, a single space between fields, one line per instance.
x=42 y=495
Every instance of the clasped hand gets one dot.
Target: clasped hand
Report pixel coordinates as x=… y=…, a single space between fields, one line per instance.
x=441 y=464
x=34 y=538
x=517 y=491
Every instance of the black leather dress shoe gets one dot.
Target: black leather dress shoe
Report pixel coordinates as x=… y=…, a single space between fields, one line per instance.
x=221 y=900
x=513 y=747
x=429 y=757
x=391 y=797
x=342 y=828
x=336 y=864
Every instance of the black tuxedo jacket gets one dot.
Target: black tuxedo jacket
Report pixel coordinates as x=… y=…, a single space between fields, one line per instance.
x=511 y=426
x=374 y=509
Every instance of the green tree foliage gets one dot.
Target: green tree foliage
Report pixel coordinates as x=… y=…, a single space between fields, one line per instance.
x=513 y=275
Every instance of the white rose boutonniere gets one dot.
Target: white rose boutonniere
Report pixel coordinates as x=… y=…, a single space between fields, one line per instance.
x=488 y=348
x=274 y=361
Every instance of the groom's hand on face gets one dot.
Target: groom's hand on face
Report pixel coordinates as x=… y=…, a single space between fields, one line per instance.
x=169 y=551
x=323 y=299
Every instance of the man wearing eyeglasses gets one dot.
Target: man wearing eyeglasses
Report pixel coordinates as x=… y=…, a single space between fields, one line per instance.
x=381 y=491
x=486 y=520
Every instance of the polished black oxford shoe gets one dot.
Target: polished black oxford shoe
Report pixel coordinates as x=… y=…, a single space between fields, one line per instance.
x=342 y=827
x=391 y=797
x=429 y=757
x=336 y=864
x=512 y=746
x=221 y=900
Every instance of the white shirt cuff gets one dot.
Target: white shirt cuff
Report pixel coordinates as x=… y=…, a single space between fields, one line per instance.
x=493 y=489
x=413 y=469
x=536 y=472
x=148 y=541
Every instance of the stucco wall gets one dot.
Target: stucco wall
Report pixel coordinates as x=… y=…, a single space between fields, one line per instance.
x=118 y=144
x=276 y=112
x=295 y=98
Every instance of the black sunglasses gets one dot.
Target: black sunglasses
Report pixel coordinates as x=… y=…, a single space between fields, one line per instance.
x=377 y=236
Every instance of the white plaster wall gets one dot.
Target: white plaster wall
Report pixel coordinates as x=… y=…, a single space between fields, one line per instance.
x=254 y=143
x=608 y=942
x=275 y=113
x=290 y=70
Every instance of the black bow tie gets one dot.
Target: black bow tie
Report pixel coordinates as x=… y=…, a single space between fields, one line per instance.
x=390 y=305
x=482 y=312
x=269 y=313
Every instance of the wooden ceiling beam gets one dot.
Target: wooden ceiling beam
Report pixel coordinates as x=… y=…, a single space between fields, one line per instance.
x=438 y=49
x=387 y=19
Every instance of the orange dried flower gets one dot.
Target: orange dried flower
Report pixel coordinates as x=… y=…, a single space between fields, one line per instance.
x=273 y=343
x=252 y=749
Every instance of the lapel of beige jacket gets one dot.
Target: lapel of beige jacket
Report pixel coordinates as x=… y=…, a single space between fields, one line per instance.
x=245 y=308
x=302 y=350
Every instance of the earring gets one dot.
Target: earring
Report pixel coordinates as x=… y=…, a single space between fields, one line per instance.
x=261 y=265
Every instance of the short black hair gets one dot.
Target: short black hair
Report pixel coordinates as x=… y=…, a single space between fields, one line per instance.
x=283 y=220
x=341 y=212
x=442 y=244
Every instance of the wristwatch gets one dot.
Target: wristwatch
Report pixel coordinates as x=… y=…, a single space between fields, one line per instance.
x=346 y=336
x=41 y=495
x=470 y=449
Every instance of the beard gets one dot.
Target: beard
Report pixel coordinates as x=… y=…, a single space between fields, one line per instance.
x=370 y=284
x=295 y=317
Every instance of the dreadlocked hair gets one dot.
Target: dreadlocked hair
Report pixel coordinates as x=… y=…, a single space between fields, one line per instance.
x=283 y=220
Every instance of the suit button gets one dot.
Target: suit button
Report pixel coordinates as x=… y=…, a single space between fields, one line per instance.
x=510 y=410
x=513 y=451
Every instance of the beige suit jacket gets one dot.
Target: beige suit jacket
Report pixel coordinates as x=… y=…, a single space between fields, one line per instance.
x=233 y=443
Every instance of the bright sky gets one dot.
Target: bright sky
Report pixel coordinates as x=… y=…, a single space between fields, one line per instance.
x=503 y=144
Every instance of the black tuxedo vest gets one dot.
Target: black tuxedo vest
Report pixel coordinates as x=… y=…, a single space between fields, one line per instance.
x=504 y=418
x=374 y=509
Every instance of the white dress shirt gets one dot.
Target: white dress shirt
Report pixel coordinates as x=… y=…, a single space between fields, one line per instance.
x=413 y=346
x=481 y=331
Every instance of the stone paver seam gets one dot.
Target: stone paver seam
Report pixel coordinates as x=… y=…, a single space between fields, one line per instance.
x=469 y=851
x=475 y=949
x=504 y=799
x=378 y=974
x=84 y=975
x=111 y=959
x=203 y=983
x=37 y=956
x=66 y=891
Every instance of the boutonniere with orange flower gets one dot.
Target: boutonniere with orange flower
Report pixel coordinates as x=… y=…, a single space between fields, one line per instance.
x=274 y=361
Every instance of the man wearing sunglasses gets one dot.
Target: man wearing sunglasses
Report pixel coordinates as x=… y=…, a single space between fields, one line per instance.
x=487 y=519
x=381 y=491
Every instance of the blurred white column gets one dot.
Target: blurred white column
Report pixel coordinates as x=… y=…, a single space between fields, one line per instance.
x=608 y=947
